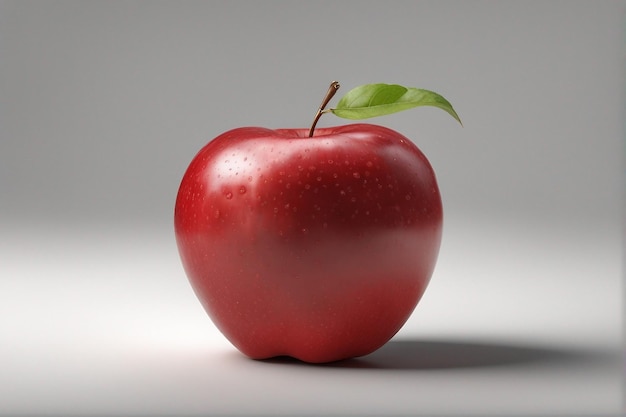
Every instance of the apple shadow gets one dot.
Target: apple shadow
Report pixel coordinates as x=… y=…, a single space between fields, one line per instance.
x=410 y=354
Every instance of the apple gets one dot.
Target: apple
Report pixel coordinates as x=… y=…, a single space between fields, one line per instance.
x=314 y=244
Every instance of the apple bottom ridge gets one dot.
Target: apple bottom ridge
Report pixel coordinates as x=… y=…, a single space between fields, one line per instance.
x=327 y=328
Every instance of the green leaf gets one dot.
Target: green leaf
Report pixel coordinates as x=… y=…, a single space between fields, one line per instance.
x=372 y=100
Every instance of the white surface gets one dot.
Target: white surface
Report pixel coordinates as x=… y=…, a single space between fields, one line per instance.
x=513 y=323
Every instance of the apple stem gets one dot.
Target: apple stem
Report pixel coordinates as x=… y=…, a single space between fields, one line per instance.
x=334 y=86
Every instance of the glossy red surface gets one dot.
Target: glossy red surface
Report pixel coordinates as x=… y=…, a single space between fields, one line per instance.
x=317 y=248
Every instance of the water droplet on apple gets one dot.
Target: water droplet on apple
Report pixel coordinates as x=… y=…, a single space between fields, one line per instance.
x=356 y=175
x=249 y=179
x=242 y=190
x=330 y=162
x=229 y=195
x=369 y=164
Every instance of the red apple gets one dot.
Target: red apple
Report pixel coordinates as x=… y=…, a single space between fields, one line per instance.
x=315 y=247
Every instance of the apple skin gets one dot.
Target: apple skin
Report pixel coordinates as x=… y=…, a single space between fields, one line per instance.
x=316 y=248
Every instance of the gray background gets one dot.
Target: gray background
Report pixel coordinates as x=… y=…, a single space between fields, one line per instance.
x=103 y=105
